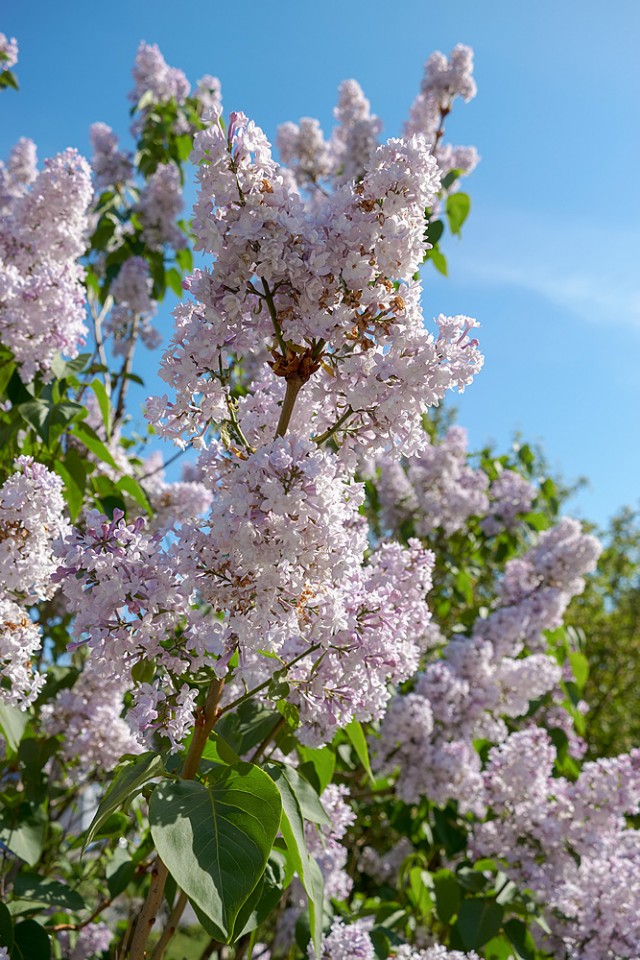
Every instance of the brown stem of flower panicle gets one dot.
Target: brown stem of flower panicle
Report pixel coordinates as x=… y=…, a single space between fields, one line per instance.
x=145 y=920
x=293 y=389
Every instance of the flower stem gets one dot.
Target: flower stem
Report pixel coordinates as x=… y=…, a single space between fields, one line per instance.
x=293 y=389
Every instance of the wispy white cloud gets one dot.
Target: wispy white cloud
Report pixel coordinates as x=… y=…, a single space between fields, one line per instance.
x=591 y=269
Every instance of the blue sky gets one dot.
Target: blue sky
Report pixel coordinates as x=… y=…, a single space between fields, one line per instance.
x=549 y=260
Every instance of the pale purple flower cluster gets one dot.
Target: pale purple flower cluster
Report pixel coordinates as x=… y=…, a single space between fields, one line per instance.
x=444 y=79
x=20 y=640
x=90 y=941
x=208 y=93
x=111 y=166
x=353 y=942
x=152 y=74
x=510 y=496
x=160 y=206
x=316 y=286
x=324 y=844
x=95 y=737
x=131 y=602
x=42 y=235
x=17 y=175
x=172 y=502
x=355 y=139
x=133 y=307
x=480 y=680
x=568 y=842
x=436 y=489
x=31 y=520
x=302 y=147
x=8 y=52
x=384 y=867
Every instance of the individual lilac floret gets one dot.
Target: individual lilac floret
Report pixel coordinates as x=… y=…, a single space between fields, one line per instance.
x=42 y=235
x=133 y=307
x=152 y=74
x=111 y=166
x=8 y=52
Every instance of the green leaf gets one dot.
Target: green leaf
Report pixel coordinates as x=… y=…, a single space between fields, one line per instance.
x=128 y=781
x=435 y=229
x=90 y=439
x=478 y=921
x=12 y=723
x=104 y=403
x=119 y=872
x=131 y=486
x=447 y=891
x=31 y=942
x=74 y=494
x=450 y=178
x=520 y=939
x=174 y=281
x=22 y=832
x=359 y=742
x=318 y=765
x=458 y=207
x=266 y=896
x=216 y=839
x=6 y=928
x=439 y=261
x=7 y=370
x=292 y=829
x=580 y=668
x=184 y=259
x=46 y=891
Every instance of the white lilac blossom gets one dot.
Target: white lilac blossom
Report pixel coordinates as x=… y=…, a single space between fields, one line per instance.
x=353 y=942
x=160 y=206
x=345 y=942
x=19 y=172
x=568 y=843
x=111 y=166
x=355 y=139
x=95 y=736
x=20 y=641
x=208 y=93
x=511 y=495
x=302 y=147
x=131 y=603
x=478 y=681
x=151 y=74
x=90 y=941
x=319 y=289
x=133 y=308
x=323 y=842
x=42 y=235
x=8 y=52
x=31 y=520
x=172 y=502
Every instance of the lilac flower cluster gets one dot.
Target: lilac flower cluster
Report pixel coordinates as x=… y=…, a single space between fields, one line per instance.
x=567 y=842
x=159 y=207
x=89 y=717
x=152 y=74
x=511 y=496
x=131 y=603
x=353 y=942
x=318 y=288
x=478 y=681
x=133 y=307
x=31 y=519
x=111 y=166
x=90 y=941
x=42 y=235
x=8 y=52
